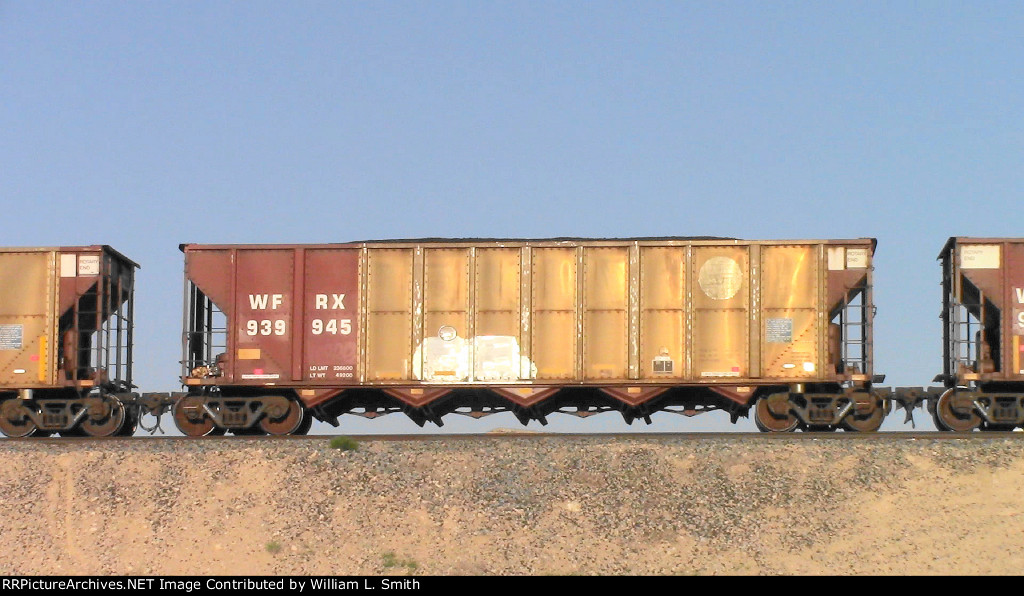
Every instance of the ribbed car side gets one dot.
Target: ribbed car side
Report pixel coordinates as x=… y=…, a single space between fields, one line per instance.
x=532 y=327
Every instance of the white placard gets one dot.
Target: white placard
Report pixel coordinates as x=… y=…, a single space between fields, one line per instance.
x=88 y=265
x=836 y=258
x=68 y=265
x=979 y=256
x=856 y=258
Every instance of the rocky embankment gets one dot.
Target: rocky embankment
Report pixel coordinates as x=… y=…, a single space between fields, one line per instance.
x=507 y=505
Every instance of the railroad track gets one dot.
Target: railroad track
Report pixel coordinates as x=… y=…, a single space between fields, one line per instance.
x=701 y=436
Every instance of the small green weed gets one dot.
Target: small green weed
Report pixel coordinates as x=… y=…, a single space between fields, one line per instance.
x=273 y=547
x=390 y=559
x=344 y=443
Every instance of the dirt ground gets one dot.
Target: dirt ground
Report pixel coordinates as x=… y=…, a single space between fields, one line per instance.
x=519 y=505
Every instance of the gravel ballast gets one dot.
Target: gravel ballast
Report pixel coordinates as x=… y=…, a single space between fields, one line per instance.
x=515 y=505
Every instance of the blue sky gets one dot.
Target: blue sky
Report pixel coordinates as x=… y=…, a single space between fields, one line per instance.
x=147 y=124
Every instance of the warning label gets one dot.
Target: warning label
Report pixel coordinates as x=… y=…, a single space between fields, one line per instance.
x=10 y=337
x=779 y=331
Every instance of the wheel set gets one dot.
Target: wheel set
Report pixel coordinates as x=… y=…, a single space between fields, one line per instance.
x=203 y=415
x=855 y=412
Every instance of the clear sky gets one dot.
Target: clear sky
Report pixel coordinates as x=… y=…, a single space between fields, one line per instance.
x=144 y=125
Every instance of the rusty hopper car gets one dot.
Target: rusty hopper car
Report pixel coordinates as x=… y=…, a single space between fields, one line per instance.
x=65 y=341
x=278 y=334
x=983 y=333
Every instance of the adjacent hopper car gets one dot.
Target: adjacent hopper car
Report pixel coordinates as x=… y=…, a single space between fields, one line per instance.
x=275 y=336
x=983 y=337
x=66 y=341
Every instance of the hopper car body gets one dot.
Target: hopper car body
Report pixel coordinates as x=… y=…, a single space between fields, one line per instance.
x=66 y=341
x=275 y=335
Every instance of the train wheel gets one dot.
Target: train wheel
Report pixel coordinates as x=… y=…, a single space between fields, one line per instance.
x=288 y=420
x=190 y=418
x=769 y=421
x=307 y=423
x=131 y=422
x=939 y=425
x=14 y=419
x=105 y=419
x=953 y=420
x=865 y=423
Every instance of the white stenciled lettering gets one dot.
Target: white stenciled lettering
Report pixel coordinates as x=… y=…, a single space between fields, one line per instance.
x=266 y=327
x=260 y=301
x=337 y=301
x=331 y=326
x=1020 y=295
x=1020 y=319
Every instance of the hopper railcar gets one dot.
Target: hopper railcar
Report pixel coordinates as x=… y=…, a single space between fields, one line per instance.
x=276 y=335
x=66 y=341
x=983 y=338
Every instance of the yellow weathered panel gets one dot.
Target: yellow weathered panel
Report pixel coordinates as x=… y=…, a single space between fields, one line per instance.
x=493 y=323
x=24 y=281
x=553 y=342
x=606 y=322
x=789 y=277
x=388 y=346
x=388 y=314
x=720 y=343
x=447 y=281
x=789 y=311
x=606 y=278
x=605 y=347
x=446 y=350
x=721 y=311
x=389 y=280
x=26 y=311
x=554 y=279
x=663 y=314
x=498 y=349
x=497 y=279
